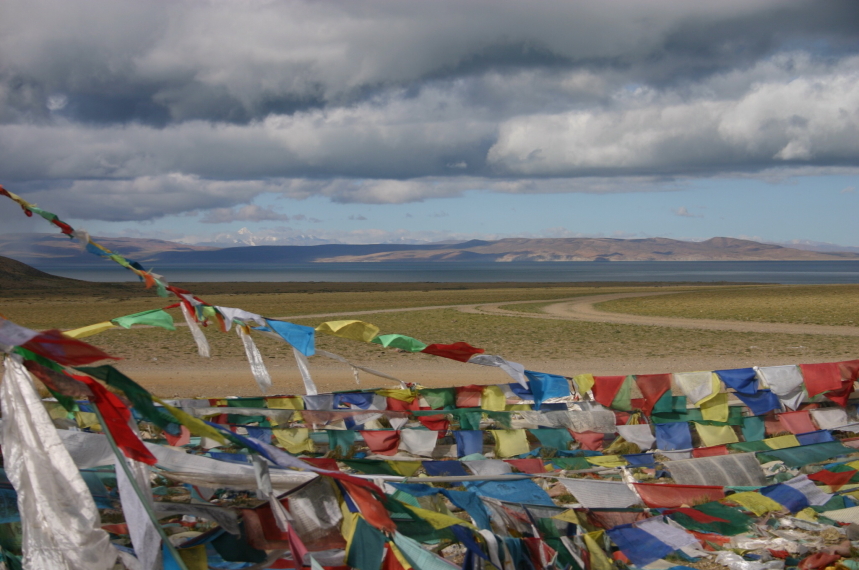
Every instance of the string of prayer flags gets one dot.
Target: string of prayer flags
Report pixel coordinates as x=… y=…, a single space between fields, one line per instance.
x=460 y=351
x=354 y=330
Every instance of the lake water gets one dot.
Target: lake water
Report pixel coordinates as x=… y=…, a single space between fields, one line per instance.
x=786 y=272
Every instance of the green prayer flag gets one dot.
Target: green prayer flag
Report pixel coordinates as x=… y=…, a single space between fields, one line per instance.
x=370 y=466
x=557 y=438
x=470 y=420
x=622 y=399
x=738 y=522
x=753 y=428
x=67 y=402
x=367 y=547
x=400 y=341
x=439 y=398
x=669 y=404
x=156 y=318
x=341 y=441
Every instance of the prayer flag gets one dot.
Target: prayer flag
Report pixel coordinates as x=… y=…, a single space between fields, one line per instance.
x=354 y=330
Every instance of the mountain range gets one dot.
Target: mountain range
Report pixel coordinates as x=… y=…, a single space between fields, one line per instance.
x=47 y=249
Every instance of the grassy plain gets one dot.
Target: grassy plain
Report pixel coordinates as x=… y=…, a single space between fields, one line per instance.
x=166 y=361
x=796 y=304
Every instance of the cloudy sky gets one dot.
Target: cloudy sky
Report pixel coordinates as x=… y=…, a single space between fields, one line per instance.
x=387 y=120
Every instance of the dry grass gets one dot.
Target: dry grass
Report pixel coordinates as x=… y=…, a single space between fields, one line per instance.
x=72 y=311
x=796 y=304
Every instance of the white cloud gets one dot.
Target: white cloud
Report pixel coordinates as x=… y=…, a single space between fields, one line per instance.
x=249 y=213
x=684 y=213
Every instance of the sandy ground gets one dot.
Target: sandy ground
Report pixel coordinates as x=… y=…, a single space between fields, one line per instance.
x=219 y=377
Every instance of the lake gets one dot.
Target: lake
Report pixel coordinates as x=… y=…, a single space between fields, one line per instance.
x=786 y=272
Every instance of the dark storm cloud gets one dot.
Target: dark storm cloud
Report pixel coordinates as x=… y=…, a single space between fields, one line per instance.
x=174 y=106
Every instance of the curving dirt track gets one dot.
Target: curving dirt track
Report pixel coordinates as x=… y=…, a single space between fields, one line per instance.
x=584 y=309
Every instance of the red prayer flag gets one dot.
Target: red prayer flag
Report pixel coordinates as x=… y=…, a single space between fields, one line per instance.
x=849 y=370
x=460 y=351
x=659 y=495
x=696 y=515
x=821 y=378
x=116 y=417
x=328 y=463
x=391 y=562
x=382 y=442
x=54 y=345
x=531 y=465
x=606 y=388
x=372 y=509
x=710 y=451
x=652 y=387
x=834 y=480
x=468 y=396
x=184 y=437
x=841 y=396
x=438 y=423
x=589 y=440
x=797 y=422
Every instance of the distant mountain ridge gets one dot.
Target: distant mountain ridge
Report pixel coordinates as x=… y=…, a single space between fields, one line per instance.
x=43 y=250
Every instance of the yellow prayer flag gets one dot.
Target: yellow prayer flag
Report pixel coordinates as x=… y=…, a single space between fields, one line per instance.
x=287 y=403
x=716 y=408
x=510 y=442
x=716 y=435
x=354 y=330
x=569 y=516
x=87 y=420
x=405 y=468
x=347 y=527
x=755 y=502
x=493 y=399
x=807 y=514
x=584 y=383
x=599 y=559
x=517 y=407
x=607 y=460
x=89 y=330
x=853 y=465
x=438 y=520
x=294 y=440
x=400 y=394
x=196 y=426
x=715 y=389
x=782 y=442
x=195 y=558
x=399 y=556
